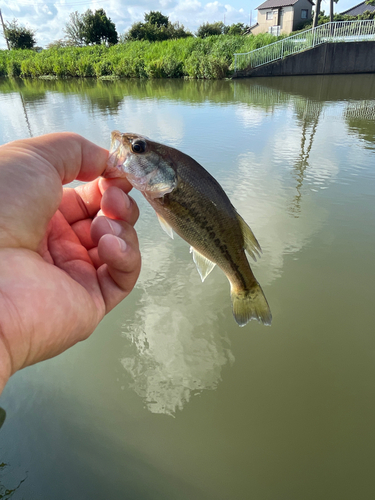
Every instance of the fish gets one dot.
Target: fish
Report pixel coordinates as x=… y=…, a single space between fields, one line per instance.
x=190 y=202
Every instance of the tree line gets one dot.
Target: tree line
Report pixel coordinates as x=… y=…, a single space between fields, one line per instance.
x=96 y=28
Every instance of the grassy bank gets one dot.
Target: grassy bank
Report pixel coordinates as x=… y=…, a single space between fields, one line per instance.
x=209 y=58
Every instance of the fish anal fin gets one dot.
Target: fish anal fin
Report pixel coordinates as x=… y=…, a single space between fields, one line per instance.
x=166 y=227
x=203 y=264
x=251 y=243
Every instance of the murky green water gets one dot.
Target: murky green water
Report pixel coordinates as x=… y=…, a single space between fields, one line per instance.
x=169 y=399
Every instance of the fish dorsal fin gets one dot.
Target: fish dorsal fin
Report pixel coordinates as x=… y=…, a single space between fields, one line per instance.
x=203 y=264
x=166 y=227
x=251 y=243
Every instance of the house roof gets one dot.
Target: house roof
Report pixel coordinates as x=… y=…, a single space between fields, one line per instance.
x=270 y=4
x=358 y=9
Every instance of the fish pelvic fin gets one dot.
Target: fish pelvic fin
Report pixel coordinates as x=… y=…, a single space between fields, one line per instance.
x=250 y=242
x=250 y=304
x=203 y=264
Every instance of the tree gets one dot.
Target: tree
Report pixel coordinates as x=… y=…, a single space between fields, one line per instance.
x=98 y=28
x=316 y=13
x=235 y=29
x=91 y=28
x=74 y=29
x=209 y=29
x=156 y=28
x=19 y=37
x=157 y=18
x=331 y=10
x=370 y=2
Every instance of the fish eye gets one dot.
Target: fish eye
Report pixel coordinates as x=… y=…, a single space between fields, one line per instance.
x=138 y=146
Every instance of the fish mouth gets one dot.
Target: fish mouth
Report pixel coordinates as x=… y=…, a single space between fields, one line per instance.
x=119 y=151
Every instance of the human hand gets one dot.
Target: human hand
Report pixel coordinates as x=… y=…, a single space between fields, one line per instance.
x=67 y=256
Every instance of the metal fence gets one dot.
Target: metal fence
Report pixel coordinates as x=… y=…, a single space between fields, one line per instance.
x=341 y=31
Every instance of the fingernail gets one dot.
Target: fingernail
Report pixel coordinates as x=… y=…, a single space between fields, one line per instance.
x=122 y=244
x=115 y=226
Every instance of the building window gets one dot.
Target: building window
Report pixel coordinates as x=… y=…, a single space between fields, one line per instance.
x=304 y=13
x=269 y=16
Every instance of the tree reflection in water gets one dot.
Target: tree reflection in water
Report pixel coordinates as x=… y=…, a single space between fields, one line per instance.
x=308 y=113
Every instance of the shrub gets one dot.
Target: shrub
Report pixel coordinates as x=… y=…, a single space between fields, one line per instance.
x=13 y=68
x=210 y=29
x=103 y=68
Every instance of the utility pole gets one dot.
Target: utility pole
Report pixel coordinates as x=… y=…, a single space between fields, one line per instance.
x=2 y=22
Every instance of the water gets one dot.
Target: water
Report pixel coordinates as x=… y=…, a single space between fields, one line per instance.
x=169 y=399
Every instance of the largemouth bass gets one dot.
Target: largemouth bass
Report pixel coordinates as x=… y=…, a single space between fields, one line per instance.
x=188 y=200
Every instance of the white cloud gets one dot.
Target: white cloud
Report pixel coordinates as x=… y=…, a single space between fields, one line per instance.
x=49 y=19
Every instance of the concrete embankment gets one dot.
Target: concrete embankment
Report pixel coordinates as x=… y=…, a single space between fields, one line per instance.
x=327 y=59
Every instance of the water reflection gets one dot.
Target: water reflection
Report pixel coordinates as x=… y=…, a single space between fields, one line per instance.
x=178 y=338
x=295 y=157
x=176 y=348
x=177 y=341
x=104 y=99
x=308 y=113
x=360 y=117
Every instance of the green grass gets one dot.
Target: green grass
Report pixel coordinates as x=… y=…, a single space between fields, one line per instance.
x=209 y=58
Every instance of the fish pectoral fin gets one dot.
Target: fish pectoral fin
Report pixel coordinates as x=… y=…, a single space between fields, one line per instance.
x=166 y=227
x=203 y=264
x=251 y=243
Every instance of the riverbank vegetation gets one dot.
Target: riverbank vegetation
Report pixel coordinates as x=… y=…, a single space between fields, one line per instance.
x=155 y=48
x=191 y=57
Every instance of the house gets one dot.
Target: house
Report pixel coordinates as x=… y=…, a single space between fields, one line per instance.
x=282 y=16
x=358 y=9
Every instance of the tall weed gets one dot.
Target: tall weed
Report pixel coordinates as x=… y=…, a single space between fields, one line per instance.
x=208 y=58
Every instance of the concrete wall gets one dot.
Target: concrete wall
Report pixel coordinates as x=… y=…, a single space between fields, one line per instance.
x=327 y=59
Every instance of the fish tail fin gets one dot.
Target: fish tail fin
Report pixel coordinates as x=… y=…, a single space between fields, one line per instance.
x=250 y=304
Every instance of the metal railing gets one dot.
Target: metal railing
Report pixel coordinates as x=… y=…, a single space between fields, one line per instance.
x=340 y=31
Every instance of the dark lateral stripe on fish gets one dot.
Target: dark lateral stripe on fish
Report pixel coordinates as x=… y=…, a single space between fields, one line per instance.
x=223 y=248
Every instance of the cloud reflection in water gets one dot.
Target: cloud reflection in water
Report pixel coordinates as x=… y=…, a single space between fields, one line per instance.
x=178 y=345
x=177 y=348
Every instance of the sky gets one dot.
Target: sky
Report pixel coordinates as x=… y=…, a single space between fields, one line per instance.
x=48 y=18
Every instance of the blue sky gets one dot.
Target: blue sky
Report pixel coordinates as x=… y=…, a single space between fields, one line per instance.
x=48 y=18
